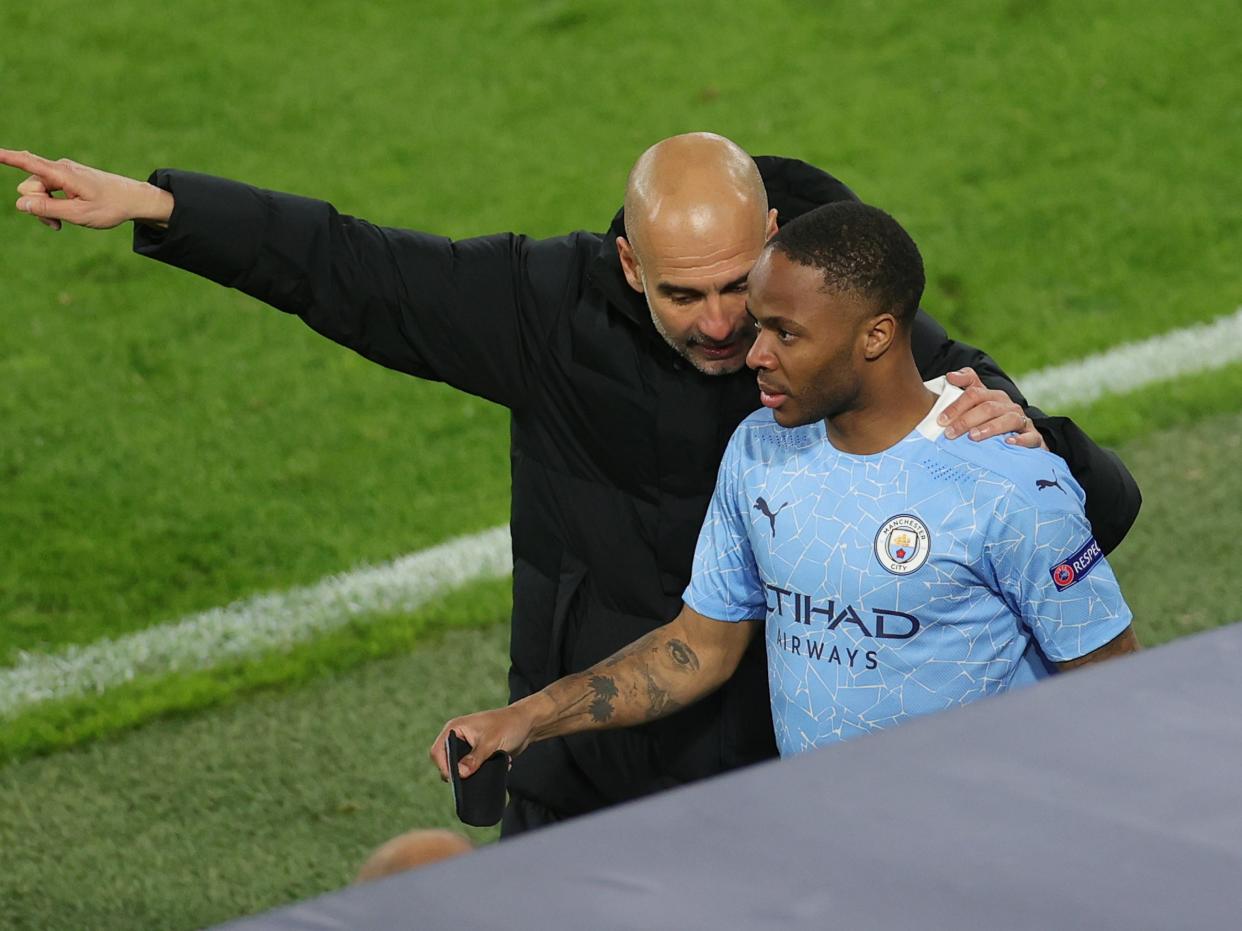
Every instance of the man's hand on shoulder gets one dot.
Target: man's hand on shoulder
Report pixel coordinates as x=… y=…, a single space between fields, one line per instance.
x=91 y=198
x=982 y=412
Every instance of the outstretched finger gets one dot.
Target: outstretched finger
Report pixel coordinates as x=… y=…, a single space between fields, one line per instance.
x=35 y=164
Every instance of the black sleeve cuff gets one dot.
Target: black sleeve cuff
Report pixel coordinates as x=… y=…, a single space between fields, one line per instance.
x=216 y=229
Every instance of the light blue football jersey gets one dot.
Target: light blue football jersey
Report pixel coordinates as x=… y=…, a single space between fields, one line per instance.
x=900 y=583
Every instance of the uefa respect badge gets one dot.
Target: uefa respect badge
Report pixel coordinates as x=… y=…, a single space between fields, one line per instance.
x=1069 y=570
x=903 y=544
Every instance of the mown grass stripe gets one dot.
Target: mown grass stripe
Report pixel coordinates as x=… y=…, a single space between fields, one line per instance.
x=254 y=625
x=272 y=621
x=1129 y=366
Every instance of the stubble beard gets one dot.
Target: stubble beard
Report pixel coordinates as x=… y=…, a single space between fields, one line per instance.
x=685 y=349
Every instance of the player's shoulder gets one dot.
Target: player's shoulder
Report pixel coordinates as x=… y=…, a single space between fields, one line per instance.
x=1035 y=476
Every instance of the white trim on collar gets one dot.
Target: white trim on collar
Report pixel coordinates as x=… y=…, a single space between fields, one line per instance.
x=948 y=394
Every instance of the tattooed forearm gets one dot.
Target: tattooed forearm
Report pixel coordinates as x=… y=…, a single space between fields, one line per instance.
x=644 y=644
x=604 y=691
x=682 y=655
x=650 y=678
x=632 y=686
x=582 y=695
x=659 y=701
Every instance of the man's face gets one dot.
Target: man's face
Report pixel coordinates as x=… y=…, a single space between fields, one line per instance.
x=808 y=346
x=695 y=285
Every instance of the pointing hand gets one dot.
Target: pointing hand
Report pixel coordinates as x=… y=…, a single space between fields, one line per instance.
x=91 y=198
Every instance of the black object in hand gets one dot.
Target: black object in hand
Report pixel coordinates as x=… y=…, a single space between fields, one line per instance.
x=480 y=798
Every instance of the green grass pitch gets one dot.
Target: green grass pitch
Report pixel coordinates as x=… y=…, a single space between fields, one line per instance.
x=167 y=446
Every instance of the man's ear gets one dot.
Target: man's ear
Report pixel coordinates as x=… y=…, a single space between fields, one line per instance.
x=878 y=337
x=629 y=264
x=773 y=226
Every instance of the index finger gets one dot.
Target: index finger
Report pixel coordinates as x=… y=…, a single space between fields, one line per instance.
x=28 y=161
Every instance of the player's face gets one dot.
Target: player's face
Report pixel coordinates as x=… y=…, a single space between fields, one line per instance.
x=808 y=348
x=695 y=285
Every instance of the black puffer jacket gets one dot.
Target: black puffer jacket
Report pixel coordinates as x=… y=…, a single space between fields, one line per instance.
x=615 y=440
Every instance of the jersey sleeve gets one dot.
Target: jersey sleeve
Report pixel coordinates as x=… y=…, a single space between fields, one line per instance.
x=1053 y=574
x=725 y=582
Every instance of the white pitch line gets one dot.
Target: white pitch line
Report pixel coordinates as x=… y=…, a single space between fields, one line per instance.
x=255 y=625
x=1124 y=368
x=279 y=620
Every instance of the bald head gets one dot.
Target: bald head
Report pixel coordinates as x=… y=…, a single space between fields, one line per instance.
x=411 y=850
x=696 y=219
x=692 y=187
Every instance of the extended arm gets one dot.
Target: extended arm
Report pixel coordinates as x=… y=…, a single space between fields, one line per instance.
x=667 y=669
x=474 y=313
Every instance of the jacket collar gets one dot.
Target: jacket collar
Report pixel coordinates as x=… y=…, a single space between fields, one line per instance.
x=794 y=187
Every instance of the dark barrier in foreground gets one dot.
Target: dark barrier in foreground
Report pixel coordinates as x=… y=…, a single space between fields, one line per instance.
x=1110 y=798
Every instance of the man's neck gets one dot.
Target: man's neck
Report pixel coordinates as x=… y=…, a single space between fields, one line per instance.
x=889 y=406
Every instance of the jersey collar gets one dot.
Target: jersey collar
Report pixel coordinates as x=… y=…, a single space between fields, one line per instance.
x=948 y=394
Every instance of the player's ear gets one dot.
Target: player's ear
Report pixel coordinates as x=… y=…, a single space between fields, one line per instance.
x=878 y=336
x=772 y=227
x=629 y=264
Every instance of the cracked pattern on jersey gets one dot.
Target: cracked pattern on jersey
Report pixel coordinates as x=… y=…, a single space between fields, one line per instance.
x=856 y=639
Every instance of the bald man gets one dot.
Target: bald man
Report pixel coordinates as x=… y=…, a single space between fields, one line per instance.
x=695 y=213
x=621 y=356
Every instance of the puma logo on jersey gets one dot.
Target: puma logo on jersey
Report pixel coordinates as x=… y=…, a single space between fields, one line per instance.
x=761 y=505
x=1042 y=483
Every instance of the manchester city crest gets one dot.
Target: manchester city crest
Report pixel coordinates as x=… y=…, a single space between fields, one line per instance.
x=903 y=544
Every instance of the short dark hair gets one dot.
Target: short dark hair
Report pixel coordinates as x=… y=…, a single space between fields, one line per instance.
x=859 y=249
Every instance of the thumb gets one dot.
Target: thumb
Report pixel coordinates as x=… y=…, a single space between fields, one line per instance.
x=45 y=206
x=470 y=762
x=963 y=378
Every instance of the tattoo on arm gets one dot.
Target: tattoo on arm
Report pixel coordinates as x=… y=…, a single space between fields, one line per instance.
x=643 y=644
x=682 y=655
x=659 y=701
x=604 y=691
x=648 y=679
